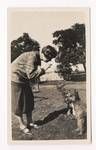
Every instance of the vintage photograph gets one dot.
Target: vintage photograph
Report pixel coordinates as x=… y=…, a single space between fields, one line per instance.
x=49 y=74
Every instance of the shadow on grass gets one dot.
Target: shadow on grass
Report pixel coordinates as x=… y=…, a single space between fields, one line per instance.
x=40 y=98
x=52 y=116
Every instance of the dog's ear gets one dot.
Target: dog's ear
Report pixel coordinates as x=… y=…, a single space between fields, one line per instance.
x=77 y=97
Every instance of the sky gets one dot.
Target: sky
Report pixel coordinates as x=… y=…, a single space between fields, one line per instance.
x=41 y=23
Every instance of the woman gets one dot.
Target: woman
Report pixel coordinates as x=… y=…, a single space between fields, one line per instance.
x=25 y=70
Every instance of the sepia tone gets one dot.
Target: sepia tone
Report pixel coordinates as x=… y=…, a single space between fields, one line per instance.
x=61 y=101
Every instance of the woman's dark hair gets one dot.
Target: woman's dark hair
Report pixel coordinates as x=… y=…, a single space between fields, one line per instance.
x=49 y=51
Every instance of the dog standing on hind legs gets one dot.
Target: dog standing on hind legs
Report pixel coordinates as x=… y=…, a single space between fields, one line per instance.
x=76 y=109
x=68 y=104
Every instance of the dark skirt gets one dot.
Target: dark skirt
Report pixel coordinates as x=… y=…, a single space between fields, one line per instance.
x=22 y=99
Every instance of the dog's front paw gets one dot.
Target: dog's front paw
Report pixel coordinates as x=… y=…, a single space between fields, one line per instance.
x=72 y=117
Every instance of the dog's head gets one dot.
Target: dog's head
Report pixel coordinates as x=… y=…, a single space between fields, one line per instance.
x=69 y=97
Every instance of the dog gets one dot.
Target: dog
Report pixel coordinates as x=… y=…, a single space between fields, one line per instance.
x=69 y=100
x=76 y=109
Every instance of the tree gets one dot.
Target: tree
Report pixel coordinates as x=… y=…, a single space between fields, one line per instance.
x=71 y=46
x=23 y=44
x=80 y=31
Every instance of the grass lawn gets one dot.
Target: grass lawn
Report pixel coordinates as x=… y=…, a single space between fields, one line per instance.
x=53 y=124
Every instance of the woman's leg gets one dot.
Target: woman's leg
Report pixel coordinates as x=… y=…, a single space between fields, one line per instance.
x=17 y=102
x=21 y=124
x=29 y=106
x=29 y=118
